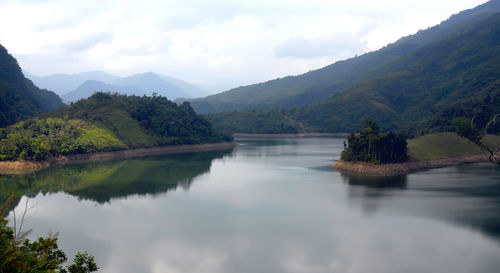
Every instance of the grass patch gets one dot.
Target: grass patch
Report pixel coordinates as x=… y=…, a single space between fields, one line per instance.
x=444 y=145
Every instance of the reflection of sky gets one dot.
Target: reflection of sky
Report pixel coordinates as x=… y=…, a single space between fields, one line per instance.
x=261 y=212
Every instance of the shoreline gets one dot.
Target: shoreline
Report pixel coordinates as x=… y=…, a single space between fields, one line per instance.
x=290 y=135
x=20 y=167
x=393 y=169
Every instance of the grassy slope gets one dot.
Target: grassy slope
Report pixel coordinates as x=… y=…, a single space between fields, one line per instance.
x=443 y=145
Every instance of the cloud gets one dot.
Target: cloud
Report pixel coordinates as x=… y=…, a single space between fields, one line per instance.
x=207 y=41
x=338 y=45
x=87 y=42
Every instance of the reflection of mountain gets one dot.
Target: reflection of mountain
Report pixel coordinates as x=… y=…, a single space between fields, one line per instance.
x=103 y=181
x=466 y=195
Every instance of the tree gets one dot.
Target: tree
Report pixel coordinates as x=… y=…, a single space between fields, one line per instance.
x=369 y=145
x=465 y=128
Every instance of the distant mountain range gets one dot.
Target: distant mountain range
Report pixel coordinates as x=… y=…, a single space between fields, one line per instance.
x=19 y=97
x=404 y=85
x=72 y=87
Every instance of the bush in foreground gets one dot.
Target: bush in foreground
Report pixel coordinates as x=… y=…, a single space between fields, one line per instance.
x=21 y=255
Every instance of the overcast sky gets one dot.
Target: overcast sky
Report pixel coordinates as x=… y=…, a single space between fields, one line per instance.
x=209 y=42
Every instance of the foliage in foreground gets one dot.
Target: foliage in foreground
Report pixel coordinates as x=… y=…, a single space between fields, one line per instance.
x=107 y=122
x=370 y=145
x=43 y=255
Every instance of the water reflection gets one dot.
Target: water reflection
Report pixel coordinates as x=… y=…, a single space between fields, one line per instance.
x=467 y=195
x=383 y=182
x=273 y=206
x=103 y=181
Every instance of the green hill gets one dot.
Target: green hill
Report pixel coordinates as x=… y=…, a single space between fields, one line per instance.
x=341 y=76
x=445 y=145
x=414 y=85
x=106 y=122
x=19 y=97
x=455 y=71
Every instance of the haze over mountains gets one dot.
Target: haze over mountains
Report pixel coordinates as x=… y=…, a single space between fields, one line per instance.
x=72 y=87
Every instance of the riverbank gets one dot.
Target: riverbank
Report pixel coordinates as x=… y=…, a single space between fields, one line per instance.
x=291 y=135
x=406 y=167
x=19 y=167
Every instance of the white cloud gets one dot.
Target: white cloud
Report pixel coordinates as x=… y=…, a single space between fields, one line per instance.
x=207 y=41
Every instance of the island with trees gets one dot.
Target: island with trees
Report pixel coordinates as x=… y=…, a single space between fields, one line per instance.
x=372 y=152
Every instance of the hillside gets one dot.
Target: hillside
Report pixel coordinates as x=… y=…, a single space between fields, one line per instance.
x=106 y=122
x=415 y=85
x=19 y=97
x=341 y=76
x=446 y=145
x=408 y=92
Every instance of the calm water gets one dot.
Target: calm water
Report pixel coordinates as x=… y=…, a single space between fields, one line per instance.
x=267 y=206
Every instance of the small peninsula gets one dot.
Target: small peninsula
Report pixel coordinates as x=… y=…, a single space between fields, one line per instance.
x=425 y=152
x=107 y=126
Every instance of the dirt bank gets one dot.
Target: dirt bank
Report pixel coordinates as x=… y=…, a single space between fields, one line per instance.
x=291 y=135
x=407 y=167
x=18 y=167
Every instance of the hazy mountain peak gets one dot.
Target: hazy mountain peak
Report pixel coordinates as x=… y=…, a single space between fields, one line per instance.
x=145 y=83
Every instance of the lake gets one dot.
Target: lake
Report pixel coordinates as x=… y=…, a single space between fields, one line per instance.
x=270 y=205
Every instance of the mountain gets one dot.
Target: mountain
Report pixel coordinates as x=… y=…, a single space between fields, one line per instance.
x=318 y=85
x=417 y=85
x=73 y=87
x=64 y=83
x=19 y=97
x=406 y=93
x=149 y=83
x=106 y=122
x=89 y=87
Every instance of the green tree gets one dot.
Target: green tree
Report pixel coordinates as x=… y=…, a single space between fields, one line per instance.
x=369 y=145
x=465 y=128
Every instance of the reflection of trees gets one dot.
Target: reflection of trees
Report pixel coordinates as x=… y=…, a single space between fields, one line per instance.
x=387 y=182
x=370 y=190
x=473 y=201
x=102 y=181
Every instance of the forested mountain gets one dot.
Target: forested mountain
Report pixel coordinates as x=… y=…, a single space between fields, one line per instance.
x=405 y=85
x=106 y=122
x=406 y=93
x=19 y=97
x=82 y=85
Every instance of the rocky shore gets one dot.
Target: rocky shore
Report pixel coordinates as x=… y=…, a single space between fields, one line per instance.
x=406 y=167
x=18 y=167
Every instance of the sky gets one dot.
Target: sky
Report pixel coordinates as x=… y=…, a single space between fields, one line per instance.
x=212 y=42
